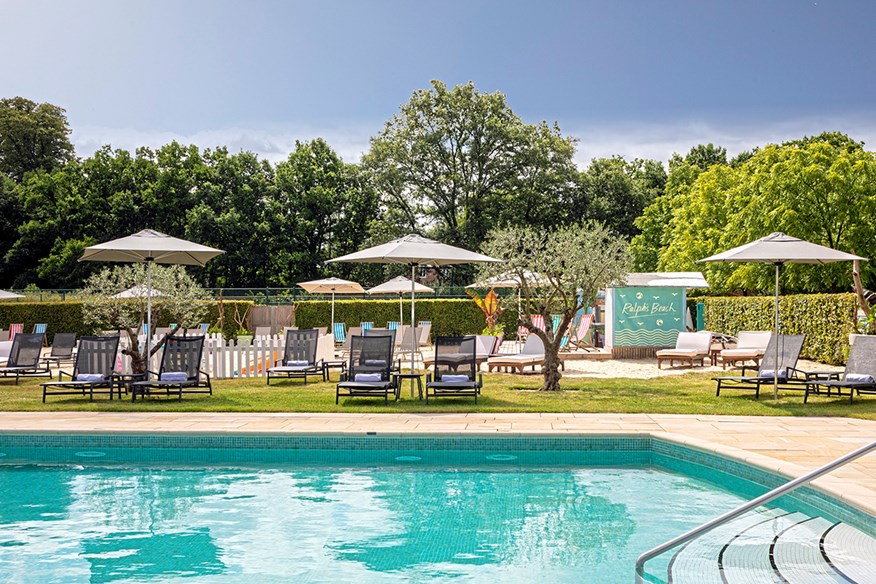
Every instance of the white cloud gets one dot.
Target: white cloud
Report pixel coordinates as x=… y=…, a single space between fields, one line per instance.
x=632 y=140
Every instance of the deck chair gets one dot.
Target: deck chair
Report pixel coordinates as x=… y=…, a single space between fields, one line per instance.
x=92 y=372
x=750 y=346
x=299 y=357
x=24 y=358
x=424 y=323
x=409 y=336
x=425 y=339
x=40 y=329
x=262 y=332
x=578 y=339
x=15 y=329
x=205 y=327
x=689 y=347
x=859 y=375
x=789 y=352
x=393 y=325
x=364 y=326
x=340 y=330
x=351 y=332
x=456 y=373
x=369 y=372
x=180 y=370
x=62 y=349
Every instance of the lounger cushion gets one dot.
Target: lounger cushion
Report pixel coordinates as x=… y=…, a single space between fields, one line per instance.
x=90 y=377
x=771 y=373
x=454 y=378
x=859 y=378
x=368 y=377
x=375 y=363
x=683 y=353
x=174 y=376
x=303 y=363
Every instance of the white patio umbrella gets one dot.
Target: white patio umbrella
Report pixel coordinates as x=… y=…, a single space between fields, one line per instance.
x=399 y=285
x=138 y=291
x=4 y=295
x=779 y=249
x=413 y=251
x=150 y=247
x=332 y=286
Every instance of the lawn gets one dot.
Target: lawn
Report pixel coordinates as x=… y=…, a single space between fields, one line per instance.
x=692 y=393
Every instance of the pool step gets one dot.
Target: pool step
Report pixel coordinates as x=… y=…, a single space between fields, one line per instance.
x=771 y=545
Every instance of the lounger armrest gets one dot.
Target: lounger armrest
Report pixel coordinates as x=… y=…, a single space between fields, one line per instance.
x=344 y=376
x=747 y=368
x=428 y=378
x=480 y=379
x=795 y=373
x=205 y=374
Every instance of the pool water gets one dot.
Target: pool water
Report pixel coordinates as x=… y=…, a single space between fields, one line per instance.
x=404 y=521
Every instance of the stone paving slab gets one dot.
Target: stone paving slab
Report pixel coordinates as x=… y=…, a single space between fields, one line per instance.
x=789 y=445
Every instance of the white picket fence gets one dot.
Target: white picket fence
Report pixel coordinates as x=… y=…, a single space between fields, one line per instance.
x=229 y=359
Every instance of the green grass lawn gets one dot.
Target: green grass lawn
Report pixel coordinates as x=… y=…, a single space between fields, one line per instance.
x=692 y=393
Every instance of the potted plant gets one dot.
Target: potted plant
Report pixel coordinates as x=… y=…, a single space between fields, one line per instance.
x=489 y=305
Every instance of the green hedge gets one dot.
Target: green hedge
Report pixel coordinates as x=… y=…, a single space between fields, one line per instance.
x=448 y=316
x=66 y=317
x=825 y=319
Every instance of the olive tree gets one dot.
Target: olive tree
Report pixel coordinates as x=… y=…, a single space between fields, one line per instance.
x=176 y=297
x=573 y=263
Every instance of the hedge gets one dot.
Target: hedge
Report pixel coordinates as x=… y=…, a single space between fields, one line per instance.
x=448 y=316
x=825 y=319
x=66 y=317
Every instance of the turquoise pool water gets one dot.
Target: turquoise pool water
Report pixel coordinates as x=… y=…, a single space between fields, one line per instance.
x=77 y=513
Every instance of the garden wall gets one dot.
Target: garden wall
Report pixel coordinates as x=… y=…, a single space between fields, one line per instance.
x=825 y=319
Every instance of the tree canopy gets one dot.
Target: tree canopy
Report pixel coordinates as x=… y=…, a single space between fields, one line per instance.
x=33 y=136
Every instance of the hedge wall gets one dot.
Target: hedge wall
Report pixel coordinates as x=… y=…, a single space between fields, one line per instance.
x=825 y=319
x=66 y=317
x=448 y=316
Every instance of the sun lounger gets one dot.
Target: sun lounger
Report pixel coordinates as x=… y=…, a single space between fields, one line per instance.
x=531 y=355
x=689 y=347
x=455 y=372
x=180 y=370
x=750 y=346
x=24 y=358
x=788 y=374
x=299 y=357
x=369 y=372
x=858 y=377
x=62 y=349
x=92 y=372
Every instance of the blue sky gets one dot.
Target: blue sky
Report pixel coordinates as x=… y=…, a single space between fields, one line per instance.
x=642 y=78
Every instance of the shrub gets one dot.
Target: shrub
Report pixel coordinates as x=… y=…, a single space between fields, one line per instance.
x=825 y=319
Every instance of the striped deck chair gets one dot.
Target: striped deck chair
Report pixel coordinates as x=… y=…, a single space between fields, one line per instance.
x=578 y=338
x=40 y=329
x=366 y=325
x=538 y=321
x=204 y=326
x=392 y=325
x=340 y=330
x=15 y=329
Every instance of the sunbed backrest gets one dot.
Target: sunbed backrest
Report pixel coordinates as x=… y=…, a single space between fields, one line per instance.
x=533 y=346
x=381 y=332
x=182 y=354
x=753 y=339
x=486 y=345
x=862 y=358
x=694 y=342
x=25 y=351
x=789 y=352
x=262 y=331
x=455 y=356
x=301 y=346
x=63 y=344
x=97 y=355
x=371 y=354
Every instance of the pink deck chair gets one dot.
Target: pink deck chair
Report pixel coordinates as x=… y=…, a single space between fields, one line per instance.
x=579 y=335
x=14 y=329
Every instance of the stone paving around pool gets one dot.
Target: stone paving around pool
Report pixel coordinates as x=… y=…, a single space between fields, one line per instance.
x=788 y=445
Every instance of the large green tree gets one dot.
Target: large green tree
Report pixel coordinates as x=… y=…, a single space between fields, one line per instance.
x=33 y=136
x=458 y=161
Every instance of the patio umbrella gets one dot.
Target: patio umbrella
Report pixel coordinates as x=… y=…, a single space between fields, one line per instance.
x=4 y=295
x=150 y=247
x=400 y=286
x=779 y=249
x=413 y=251
x=138 y=291
x=332 y=286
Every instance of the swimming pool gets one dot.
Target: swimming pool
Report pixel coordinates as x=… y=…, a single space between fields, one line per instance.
x=104 y=508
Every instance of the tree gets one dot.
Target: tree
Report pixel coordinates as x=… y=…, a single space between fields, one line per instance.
x=32 y=136
x=576 y=260
x=176 y=298
x=459 y=161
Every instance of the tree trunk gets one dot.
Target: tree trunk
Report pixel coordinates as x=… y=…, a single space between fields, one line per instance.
x=551 y=369
x=138 y=361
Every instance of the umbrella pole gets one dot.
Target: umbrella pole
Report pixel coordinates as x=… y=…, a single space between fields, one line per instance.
x=333 y=315
x=413 y=330
x=401 y=310
x=776 y=369
x=148 y=314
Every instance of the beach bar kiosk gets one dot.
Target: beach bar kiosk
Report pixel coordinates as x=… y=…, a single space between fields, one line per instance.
x=648 y=313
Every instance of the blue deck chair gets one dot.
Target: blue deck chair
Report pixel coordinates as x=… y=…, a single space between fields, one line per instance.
x=392 y=325
x=366 y=325
x=340 y=332
x=40 y=329
x=204 y=326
